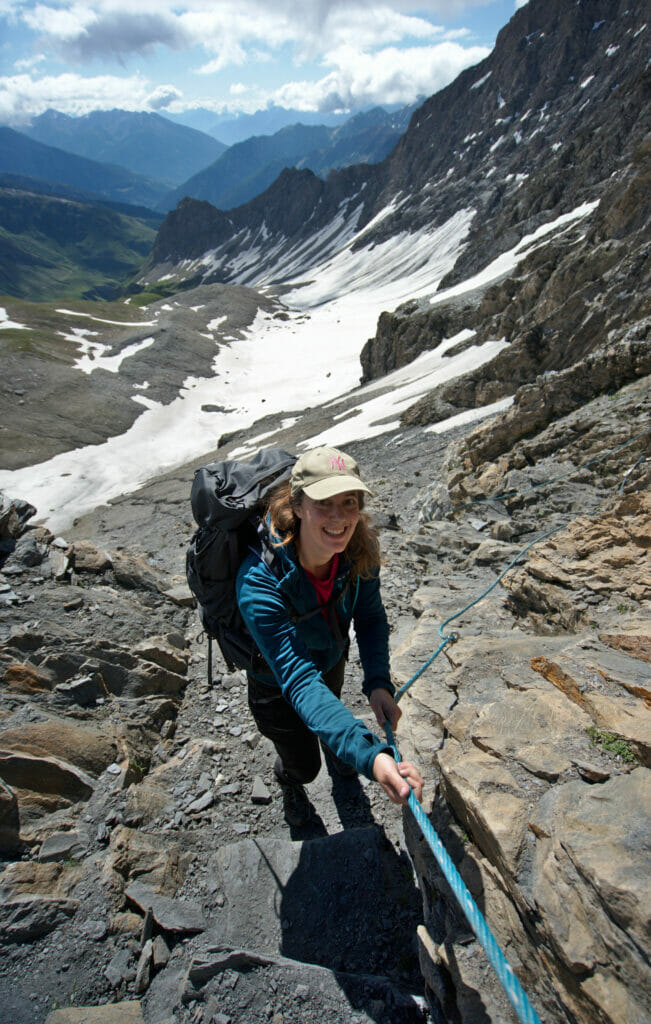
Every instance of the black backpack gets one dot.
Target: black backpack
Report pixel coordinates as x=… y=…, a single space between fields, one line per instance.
x=227 y=500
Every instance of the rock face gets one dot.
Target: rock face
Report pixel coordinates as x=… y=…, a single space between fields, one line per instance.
x=539 y=721
x=141 y=830
x=554 y=118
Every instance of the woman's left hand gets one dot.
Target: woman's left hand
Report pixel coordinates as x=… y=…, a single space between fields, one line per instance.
x=384 y=707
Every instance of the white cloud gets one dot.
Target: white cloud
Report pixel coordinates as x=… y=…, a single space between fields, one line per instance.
x=59 y=24
x=390 y=76
x=114 y=30
x=22 y=97
x=162 y=97
x=291 y=52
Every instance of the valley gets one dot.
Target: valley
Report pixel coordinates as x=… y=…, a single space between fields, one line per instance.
x=469 y=318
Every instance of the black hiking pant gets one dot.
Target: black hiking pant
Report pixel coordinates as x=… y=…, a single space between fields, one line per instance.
x=297 y=747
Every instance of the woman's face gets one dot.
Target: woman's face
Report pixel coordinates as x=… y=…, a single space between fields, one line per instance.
x=327 y=526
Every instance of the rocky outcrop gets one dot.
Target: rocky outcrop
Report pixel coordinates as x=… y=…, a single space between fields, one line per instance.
x=538 y=717
x=141 y=834
x=532 y=132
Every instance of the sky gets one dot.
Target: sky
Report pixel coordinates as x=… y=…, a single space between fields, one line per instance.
x=236 y=56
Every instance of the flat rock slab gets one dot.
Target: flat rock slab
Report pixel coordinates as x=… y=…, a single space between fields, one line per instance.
x=235 y=978
x=115 y=1013
x=29 y=917
x=176 y=916
x=327 y=901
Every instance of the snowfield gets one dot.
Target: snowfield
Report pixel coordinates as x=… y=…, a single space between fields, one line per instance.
x=281 y=366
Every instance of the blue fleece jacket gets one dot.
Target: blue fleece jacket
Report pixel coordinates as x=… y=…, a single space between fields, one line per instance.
x=298 y=650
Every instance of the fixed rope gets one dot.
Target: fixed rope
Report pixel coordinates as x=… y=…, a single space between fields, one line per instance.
x=510 y=983
x=452 y=638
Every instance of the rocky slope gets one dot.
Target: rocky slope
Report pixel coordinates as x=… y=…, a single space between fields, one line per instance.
x=142 y=836
x=532 y=132
x=147 y=870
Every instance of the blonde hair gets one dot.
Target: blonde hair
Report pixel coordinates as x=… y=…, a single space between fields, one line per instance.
x=363 y=548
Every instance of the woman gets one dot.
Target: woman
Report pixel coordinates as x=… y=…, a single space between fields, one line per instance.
x=325 y=577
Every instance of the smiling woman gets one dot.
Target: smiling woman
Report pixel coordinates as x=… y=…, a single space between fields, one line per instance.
x=324 y=578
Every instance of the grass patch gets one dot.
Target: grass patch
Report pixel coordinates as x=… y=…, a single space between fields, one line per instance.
x=612 y=744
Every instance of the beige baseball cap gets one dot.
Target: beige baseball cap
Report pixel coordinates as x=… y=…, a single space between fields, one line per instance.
x=323 y=472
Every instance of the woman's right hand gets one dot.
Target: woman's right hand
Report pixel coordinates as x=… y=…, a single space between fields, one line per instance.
x=396 y=779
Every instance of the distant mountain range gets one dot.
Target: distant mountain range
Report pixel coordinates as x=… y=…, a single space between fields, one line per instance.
x=230 y=129
x=146 y=144
x=22 y=155
x=248 y=168
x=135 y=158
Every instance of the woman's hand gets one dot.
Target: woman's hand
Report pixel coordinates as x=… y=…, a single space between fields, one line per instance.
x=384 y=707
x=397 y=779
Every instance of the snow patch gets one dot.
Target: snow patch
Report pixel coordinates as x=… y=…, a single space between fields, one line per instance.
x=480 y=82
x=7 y=324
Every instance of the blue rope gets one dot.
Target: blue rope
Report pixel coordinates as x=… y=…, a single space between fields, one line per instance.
x=631 y=470
x=452 y=638
x=505 y=973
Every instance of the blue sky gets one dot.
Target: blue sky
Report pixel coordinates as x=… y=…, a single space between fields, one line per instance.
x=235 y=56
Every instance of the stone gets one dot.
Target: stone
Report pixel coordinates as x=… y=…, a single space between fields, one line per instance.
x=134 y=572
x=260 y=793
x=542 y=731
x=49 y=782
x=10 y=842
x=597 y=833
x=85 y=747
x=128 y=1012
x=29 y=552
x=159 y=651
x=64 y=845
x=143 y=970
x=637 y=644
x=134 y=854
x=26 y=678
x=85 y=690
x=31 y=878
x=125 y=922
x=175 y=916
x=502 y=530
x=291 y=898
x=180 y=595
x=84 y=556
x=120 y=968
x=26 y=918
x=494 y=552
x=488 y=802
x=14 y=514
x=160 y=952
x=202 y=803
x=95 y=930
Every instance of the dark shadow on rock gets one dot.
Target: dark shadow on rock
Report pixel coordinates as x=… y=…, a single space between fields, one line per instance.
x=351 y=801
x=351 y=905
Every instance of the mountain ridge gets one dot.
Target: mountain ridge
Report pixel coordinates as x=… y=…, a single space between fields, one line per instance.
x=146 y=144
x=20 y=154
x=247 y=168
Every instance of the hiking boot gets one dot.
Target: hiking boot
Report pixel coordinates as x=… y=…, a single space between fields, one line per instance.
x=296 y=806
x=335 y=764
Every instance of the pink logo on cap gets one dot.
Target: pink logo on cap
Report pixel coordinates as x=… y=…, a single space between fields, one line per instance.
x=337 y=462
